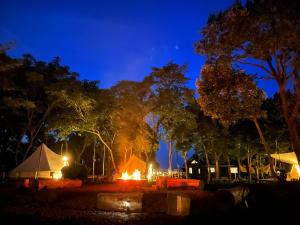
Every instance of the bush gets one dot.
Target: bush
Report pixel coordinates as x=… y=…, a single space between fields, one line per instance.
x=75 y=171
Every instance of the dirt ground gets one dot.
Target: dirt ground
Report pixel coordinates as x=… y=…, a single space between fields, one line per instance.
x=266 y=203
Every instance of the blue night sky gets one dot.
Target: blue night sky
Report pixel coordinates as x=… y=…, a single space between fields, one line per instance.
x=111 y=40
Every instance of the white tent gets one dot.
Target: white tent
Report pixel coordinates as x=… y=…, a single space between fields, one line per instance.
x=43 y=163
x=290 y=158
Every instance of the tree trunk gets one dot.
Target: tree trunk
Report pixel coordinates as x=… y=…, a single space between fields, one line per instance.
x=170 y=157
x=125 y=154
x=208 y=167
x=82 y=150
x=185 y=164
x=103 y=161
x=94 y=160
x=229 y=170
x=239 y=171
x=290 y=120
x=34 y=132
x=67 y=147
x=217 y=171
x=266 y=146
x=131 y=150
x=249 y=166
x=109 y=150
x=257 y=168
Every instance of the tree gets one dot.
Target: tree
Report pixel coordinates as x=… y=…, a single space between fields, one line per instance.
x=230 y=95
x=86 y=109
x=244 y=143
x=133 y=131
x=274 y=124
x=209 y=139
x=24 y=93
x=185 y=135
x=6 y=62
x=263 y=34
x=170 y=96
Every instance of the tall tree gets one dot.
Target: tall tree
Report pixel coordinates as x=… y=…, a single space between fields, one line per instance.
x=134 y=105
x=263 y=34
x=24 y=92
x=230 y=95
x=170 y=98
x=86 y=109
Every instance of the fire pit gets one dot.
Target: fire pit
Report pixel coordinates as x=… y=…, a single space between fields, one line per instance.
x=131 y=180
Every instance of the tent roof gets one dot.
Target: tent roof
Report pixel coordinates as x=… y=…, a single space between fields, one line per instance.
x=43 y=159
x=289 y=157
x=134 y=163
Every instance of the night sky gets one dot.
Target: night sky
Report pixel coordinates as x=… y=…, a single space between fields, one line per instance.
x=111 y=40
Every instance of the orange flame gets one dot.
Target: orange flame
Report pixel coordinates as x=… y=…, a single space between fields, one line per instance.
x=136 y=175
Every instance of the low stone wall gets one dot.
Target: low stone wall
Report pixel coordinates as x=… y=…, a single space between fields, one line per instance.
x=163 y=182
x=51 y=183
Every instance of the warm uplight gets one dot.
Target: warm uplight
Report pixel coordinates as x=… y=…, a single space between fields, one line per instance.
x=66 y=160
x=125 y=176
x=150 y=172
x=298 y=169
x=57 y=175
x=135 y=176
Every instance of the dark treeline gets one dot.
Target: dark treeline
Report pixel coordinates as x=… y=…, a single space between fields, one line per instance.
x=231 y=119
x=46 y=102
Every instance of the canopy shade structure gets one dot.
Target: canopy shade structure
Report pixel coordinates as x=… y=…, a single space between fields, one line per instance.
x=43 y=163
x=289 y=157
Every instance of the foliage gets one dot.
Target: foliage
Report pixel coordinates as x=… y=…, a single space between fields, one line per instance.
x=170 y=98
x=133 y=107
x=228 y=94
x=75 y=171
x=263 y=34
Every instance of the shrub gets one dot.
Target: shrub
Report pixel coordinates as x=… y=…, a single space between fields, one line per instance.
x=75 y=171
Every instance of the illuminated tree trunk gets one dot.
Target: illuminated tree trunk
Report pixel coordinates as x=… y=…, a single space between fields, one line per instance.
x=108 y=148
x=170 y=157
x=239 y=171
x=217 y=170
x=125 y=154
x=290 y=118
x=266 y=146
x=103 y=162
x=257 y=167
x=249 y=165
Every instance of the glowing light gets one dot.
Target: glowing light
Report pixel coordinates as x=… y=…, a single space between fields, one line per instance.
x=57 y=175
x=125 y=176
x=136 y=175
x=65 y=160
x=298 y=169
x=150 y=172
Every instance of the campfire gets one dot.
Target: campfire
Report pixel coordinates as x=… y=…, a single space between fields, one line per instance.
x=136 y=175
